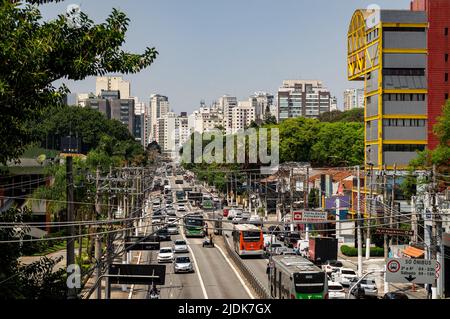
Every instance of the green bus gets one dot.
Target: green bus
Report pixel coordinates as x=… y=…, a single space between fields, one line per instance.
x=207 y=204
x=193 y=225
x=294 y=277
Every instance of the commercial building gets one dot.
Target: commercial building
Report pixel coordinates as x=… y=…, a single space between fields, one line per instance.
x=112 y=83
x=307 y=98
x=389 y=55
x=353 y=99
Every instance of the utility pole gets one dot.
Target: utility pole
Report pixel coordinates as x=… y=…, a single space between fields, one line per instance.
x=358 y=209
x=291 y=191
x=436 y=240
x=369 y=205
x=98 y=256
x=386 y=239
x=109 y=238
x=70 y=249
x=391 y=215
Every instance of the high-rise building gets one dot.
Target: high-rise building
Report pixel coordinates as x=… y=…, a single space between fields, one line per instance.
x=242 y=116
x=227 y=104
x=205 y=119
x=159 y=107
x=305 y=98
x=172 y=133
x=438 y=63
x=334 y=103
x=388 y=50
x=353 y=98
x=262 y=102
x=112 y=83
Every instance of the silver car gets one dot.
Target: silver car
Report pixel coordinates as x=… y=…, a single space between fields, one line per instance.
x=370 y=287
x=182 y=264
x=180 y=246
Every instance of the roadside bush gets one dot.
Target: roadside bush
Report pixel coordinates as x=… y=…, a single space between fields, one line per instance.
x=353 y=252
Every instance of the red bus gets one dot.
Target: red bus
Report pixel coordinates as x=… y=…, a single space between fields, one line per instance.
x=248 y=240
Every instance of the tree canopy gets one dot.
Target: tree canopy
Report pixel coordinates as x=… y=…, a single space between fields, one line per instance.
x=354 y=115
x=35 y=53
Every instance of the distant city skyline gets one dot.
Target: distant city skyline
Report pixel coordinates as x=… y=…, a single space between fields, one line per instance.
x=212 y=48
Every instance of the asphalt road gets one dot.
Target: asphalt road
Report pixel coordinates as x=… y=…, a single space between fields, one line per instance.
x=213 y=277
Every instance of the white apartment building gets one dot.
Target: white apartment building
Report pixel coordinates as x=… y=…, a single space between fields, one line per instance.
x=242 y=116
x=159 y=107
x=227 y=104
x=82 y=99
x=173 y=131
x=113 y=83
x=262 y=102
x=334 y=104
x=307 y=98
x=353 y=98
x=205 y=119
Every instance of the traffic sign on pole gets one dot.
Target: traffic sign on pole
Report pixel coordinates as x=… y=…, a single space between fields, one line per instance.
x=417 y=271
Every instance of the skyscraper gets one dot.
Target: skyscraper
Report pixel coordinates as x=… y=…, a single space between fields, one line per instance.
x=113 y=83
x=159 y=106
x=307 y=98
x=353 y=98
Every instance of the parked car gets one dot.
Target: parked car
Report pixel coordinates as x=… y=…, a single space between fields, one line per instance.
x=335 y=290
x=344 y=276
x=182 y=264
x=332 y=266
x=180 y=246
x=172 y=229
x=395 y=295
x=165 y=255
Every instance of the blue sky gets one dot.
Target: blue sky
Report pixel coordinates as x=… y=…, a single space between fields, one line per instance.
x=209 y=48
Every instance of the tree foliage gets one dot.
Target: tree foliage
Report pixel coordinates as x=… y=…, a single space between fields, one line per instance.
x=354 y=115
x=35 y=53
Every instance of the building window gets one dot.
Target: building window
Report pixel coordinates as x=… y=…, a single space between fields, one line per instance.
x=446 y=77
x=403 y=148
x=446 y=57
x=446 y=96
x=404 y=72
x=446 y=31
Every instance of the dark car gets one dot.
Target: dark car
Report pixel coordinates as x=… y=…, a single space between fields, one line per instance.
x=290 y=240
x=395 y=295
x=163 y=234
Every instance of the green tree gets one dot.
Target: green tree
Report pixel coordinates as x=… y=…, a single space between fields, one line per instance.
x=36 y=53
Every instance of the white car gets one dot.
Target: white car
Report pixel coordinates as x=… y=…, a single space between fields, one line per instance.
x=182 y=264
x=345 y=276
x=165 y=255
x=181 y=208
x=180 y=246
x=332 y=266
x=335 y=290
x=370 y=288
x=172 y=229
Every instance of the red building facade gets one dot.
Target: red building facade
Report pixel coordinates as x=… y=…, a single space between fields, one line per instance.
x=438 y=69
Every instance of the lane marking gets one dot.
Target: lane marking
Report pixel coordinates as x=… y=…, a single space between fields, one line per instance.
x=196 y=266
x=235 y=272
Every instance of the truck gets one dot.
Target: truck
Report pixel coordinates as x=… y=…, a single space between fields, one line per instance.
x=322 y=249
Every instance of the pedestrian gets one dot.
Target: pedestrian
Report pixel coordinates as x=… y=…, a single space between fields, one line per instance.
x=429 y=292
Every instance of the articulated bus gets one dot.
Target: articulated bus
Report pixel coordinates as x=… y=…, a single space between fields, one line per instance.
x=294 y=277
x=248 y=240
x=194 y=225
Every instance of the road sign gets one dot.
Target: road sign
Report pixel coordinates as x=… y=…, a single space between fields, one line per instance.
x=142 y=243
x=138 y=274
x=394 y=232
x=310 y=216
x=417 y=271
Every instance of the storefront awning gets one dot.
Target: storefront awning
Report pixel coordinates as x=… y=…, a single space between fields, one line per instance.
x=413 y=252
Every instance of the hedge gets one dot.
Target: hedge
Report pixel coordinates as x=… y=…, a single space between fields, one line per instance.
x=353 y=252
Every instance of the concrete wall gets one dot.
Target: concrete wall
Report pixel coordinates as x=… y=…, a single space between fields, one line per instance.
x=404 y=60
x=372 y=130
x=399 y=158
x=372 y=154
x=404 y=107
x=404 y=40
x=372 y=107
x=404 y=133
